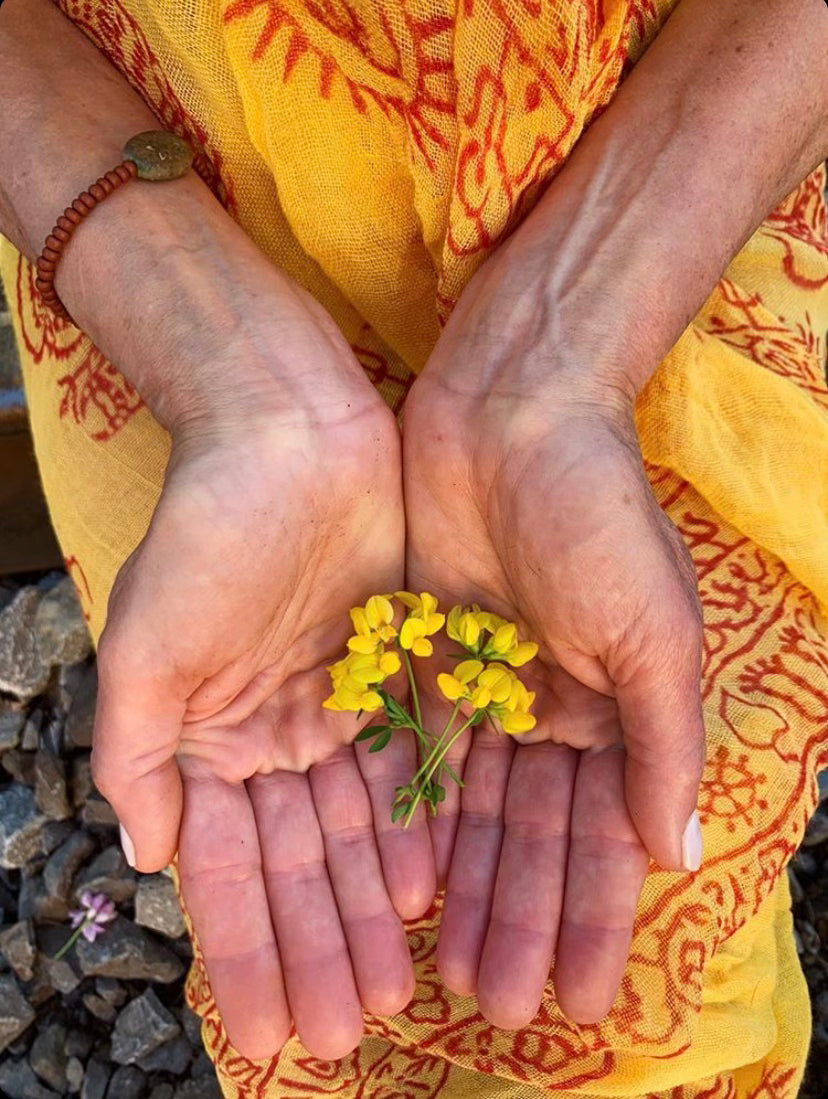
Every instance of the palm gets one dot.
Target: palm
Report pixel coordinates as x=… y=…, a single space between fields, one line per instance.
x=212 y=675
x=562 y=535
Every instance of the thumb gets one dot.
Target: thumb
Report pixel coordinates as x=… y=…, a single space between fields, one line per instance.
x=136 y=735
x=661 y=719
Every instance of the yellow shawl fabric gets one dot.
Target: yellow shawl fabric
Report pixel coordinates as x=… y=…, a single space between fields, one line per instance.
x=378 y=151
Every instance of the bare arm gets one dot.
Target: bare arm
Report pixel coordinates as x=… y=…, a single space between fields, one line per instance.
x=520 y=441
x=725 y=114
x=153 y=257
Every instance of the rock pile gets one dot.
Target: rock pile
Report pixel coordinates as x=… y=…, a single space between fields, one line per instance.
x=107 y=1020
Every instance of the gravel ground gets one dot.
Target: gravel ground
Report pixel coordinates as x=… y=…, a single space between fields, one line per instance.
x=108 y=1020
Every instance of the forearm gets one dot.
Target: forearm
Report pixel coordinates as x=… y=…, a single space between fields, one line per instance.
x=724 y=116
x=159 y=276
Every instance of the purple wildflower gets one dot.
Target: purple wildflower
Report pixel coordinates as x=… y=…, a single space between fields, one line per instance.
x=89 y=920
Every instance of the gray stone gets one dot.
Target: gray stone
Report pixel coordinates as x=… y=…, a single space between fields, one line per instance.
x=111 y=990
x=157 y=907
x=109 y=873
x=96 y=810
x=198 y=1089
x=99 y=1007
x=64 y=863
x=48 y=1056
x=82 y=785
x=66 y=683
x=60 y=628
x=15 y=1011
x=128 y=1082
x=162 y=1091
x=21 y=827
x=129 y=953
x=202 y=1066
x=81 y=716
x=64 y=974
x=17 y=944
x=142 y=1026
x=191 y=1022
x=34 y=902
x=95 y=1079
x=50 y=786
x=822 y=782
x=817 y=831
x=23 y=671
x=30 y=740
x=18 y=1081
x=74 y=1075
x=11 y=725
x=79 y=1044
x=51 y=737
x=20 y=765
x=173 y=1057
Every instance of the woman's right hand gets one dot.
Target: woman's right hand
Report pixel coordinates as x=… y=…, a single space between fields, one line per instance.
x=276 y=516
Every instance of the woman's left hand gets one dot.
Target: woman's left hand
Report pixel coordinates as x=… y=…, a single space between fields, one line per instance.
x=525 y=492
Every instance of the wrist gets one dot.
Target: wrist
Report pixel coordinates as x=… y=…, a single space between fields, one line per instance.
x=175 y=294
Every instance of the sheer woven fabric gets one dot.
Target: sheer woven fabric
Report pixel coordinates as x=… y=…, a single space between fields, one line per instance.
x=378 y=151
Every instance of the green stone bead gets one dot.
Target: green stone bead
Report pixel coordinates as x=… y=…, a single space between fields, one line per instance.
x=158 y=154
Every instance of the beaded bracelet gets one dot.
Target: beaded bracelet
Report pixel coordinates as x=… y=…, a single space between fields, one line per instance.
x=152 y=155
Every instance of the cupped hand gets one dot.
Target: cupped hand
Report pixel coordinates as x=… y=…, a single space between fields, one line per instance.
x=210 y=737
x=525 y=492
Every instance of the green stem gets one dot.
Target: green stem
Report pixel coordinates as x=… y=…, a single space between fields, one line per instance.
x=73 y=938
x=426 y=762
x=416 y=698
x=446 y=748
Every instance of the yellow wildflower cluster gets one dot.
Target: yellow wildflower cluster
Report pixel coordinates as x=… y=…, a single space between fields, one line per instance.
x=494 y=688
x=485 y=680
x=487 y=636
x=368 y=664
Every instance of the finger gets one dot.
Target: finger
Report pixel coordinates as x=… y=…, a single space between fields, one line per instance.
x=223 y=888
x=526 y=907
x=443 y=827
x=659 y=703
x=407 y=858
x=473 y=870
x=136 y=735
x=605 y=871
x=376 y=940
x=319 y=980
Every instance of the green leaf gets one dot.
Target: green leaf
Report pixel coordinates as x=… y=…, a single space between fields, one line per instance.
x=399 y=811
x=439 y=793
x=476 y=718
x=381 y=741
x=371 y=731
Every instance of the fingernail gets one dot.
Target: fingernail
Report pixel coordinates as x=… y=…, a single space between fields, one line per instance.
x=691 y=843
x=128 y=846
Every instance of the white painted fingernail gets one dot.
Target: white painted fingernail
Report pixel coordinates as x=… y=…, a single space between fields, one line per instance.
x=691 y=843
x=128 y=846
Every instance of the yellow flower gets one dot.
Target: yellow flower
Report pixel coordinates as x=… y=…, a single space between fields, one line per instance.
x=456 y=686
x=422 y=621
x=493 y=688
x=355 y=678
x=470 y=625
x=463 y=626
x=518 y=722
x=373 y=624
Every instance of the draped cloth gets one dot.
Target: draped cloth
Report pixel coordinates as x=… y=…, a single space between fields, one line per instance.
x=378 y=151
